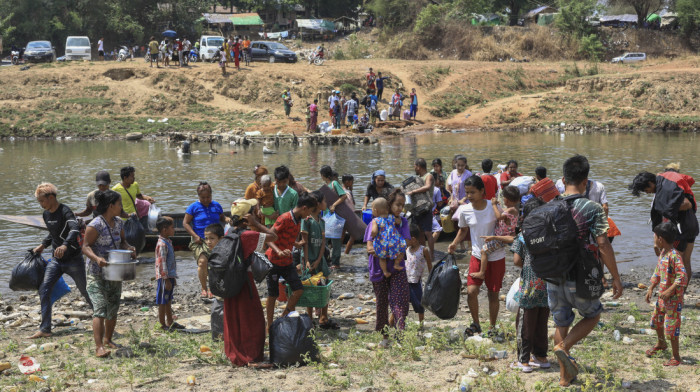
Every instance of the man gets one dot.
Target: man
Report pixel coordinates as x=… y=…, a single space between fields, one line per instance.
x=67 y=257
x=380 y=84
x=425 y=221
x=591 y=221
x=543 y=187
x=246 y=50
x=103 y=182
x=286 y=228
x=351 y=109
x=101 y=49
x=130 y=191
x=153 y=51
x=331 y=104
x=186 y=46
x=371 y=78
x=414 y=104
x=595 y=190
x=396 y=104
x=178 y=44
x=490 y=182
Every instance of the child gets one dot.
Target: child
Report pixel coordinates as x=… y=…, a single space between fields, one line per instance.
x=417 y=259
x=348 y=181
x=672 y=280
x=266 y=198
x=507 y=220
x=387 y=243
x=313 y=234
x=531 y=320
x=166 y=273
x=285 y=197
x=439 y=201
x=222 y=61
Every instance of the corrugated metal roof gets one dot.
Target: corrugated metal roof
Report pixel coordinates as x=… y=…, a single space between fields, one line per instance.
x=628 y=18
x=217 y=18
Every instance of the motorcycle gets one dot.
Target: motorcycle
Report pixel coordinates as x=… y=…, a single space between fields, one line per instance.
x=123 y=53
x=15 y=57
x=316 y=58
x=194 y=55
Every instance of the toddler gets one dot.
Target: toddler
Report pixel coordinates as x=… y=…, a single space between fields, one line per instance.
x=387 y=243
x=417 y=260
x=166 y=273
x=266 y=198
x=672 y=280
x=506 y=219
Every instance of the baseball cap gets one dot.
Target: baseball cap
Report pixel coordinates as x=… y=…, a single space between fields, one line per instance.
x=241 y=207
x=103 y=178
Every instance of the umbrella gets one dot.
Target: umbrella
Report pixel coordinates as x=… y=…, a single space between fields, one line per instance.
x=169 y=34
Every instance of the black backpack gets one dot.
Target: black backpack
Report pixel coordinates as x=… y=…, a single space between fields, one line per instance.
x=228 y=271
x=551 y=235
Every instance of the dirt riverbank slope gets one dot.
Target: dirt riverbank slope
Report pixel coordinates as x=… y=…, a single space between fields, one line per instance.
x=110 y=99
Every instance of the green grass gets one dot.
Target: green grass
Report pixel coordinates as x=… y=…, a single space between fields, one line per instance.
x=453 y=101
x=89 y=101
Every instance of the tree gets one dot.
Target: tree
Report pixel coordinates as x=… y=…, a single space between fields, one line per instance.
x=514 y=8
x=573 y=16
x=688 y=15
x=642 y=8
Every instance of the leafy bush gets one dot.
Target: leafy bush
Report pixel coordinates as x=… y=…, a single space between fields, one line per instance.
x=591 y=46
x=452 y=102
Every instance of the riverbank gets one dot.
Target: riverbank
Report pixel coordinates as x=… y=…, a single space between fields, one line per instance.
x=433 y=359
x=111 y=99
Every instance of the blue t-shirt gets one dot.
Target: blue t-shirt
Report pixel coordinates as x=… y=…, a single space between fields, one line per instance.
x=380 y=82
x=373 y=98
x=204 y=216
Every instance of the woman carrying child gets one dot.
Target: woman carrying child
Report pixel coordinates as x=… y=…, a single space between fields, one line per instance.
x=198 y=216
x=391 y=292
x=387 y=244
x=480 y=220
x=313 y=234
x=266 y=200
x=455 y=182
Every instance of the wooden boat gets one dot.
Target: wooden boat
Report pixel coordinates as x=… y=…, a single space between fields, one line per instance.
x=181 y=239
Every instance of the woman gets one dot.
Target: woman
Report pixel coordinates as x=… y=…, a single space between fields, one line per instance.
x=287 y=101
x=674 y=201
x=198 y=216
x=244 y=323
x=67 y=256
x=237 y=53
x=329 y=177
x=105 y=232
x=296 y=186
x=510 y=174
x=252 y=190
x=391 y=292
x=378 y=187
x=313 y=116
x=455 y=182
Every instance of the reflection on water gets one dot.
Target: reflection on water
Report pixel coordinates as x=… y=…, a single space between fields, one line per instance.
x=172 y=179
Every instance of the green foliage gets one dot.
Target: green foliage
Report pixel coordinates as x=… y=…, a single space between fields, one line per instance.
x=591 y=46
x=515 y=7
x=356 y=49
x=6 y=30
x=688 y=15
x=429 y=18
x=573 y=14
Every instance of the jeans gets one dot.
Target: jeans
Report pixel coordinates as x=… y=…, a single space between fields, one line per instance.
x=75 y=268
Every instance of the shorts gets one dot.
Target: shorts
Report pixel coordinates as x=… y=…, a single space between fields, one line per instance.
x=424 y=222
x=669 y=316
x=495 y=272
x=163 y=296
x=199 y=249
x=682 y=245
x=289 y=273
x=105 y=296
x=562 y=300
x=154 y=56
x=415 y=291
x=101 y=53
x=331 y=113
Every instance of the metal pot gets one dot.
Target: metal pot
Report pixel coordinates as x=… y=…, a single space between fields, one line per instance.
x=120 y=266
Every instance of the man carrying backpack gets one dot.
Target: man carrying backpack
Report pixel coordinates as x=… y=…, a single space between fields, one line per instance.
x=566 y=292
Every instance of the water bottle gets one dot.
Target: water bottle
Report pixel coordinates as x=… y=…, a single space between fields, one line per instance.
x=47 y=347
x=616 y=335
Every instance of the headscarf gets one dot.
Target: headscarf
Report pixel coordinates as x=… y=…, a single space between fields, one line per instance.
x=377 y=174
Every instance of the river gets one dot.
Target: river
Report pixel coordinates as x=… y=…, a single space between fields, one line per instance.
x=172 y=179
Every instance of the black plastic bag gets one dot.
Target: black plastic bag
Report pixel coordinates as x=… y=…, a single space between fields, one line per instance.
x=135 y=234
x=442 y=291
x=28 y=274
x=217 y=320
x=291 y=341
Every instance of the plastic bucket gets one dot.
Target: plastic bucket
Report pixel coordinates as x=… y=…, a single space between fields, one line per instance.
x=367 y=216
x=283 y=292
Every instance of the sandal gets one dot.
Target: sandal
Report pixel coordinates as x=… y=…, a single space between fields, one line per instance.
x=330 y=324
x=650 y=353
x=672 y=362
x=210 y=295
x=567 y=361
x=203 y=295
x=472 y=330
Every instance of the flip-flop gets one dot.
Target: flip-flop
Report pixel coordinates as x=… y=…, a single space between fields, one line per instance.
x=652 y=351
x=472 y=330
x=672 y=362
x=568 y=361
x=204 y=295
x=329 y=325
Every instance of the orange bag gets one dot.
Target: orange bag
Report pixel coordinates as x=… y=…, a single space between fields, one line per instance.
x=613 y=231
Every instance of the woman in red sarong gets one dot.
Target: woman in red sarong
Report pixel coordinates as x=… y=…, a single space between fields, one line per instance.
x=237 y=53
x=244 y=323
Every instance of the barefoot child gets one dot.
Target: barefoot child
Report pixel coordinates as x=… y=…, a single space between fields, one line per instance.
x=386 y=243
x=506 y=221
x=166 y=273
x=417 y=261
x=672 y=280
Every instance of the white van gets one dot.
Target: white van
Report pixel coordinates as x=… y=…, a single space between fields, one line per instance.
x=630 y=58
x=208 y=45
x=78 y=48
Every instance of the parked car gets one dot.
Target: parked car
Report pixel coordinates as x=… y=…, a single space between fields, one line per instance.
x=272 y=52
x=78 y=48
x=209 y=45
x=39 y=51
x=630 y=58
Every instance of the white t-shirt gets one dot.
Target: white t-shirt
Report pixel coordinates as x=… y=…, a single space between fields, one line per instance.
x=481 y=223
x=596 y=192
x=100 y=45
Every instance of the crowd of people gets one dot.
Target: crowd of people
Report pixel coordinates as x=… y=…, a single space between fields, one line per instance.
x=283 y=219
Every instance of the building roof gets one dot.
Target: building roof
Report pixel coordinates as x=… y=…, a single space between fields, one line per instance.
x=545 y=8
x=315 y=24
x=627 y=18
x=217 y=18
x=249 y=19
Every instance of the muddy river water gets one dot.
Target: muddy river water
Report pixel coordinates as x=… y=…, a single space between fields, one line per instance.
x=172 y=179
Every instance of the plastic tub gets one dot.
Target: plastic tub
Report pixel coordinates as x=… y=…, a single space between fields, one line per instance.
x=367 y=216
